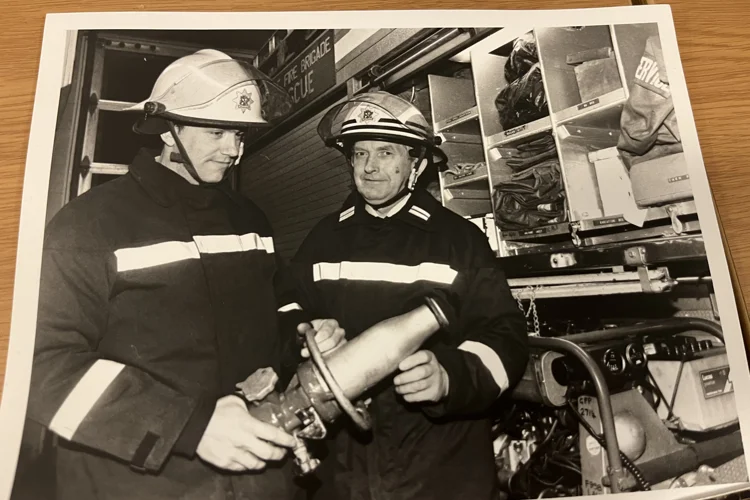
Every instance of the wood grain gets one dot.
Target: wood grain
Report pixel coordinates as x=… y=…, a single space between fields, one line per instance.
x=714 y=49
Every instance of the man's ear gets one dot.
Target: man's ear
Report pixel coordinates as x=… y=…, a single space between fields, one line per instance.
x=168 y=139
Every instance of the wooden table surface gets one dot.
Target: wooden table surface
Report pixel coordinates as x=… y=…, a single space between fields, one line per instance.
x=711 y=35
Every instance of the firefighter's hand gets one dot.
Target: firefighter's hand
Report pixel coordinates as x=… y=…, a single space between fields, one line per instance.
x=236 y=441
x=329 y=335
x=423 y=379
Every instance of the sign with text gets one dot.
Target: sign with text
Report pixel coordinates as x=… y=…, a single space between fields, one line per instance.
x=312 y=72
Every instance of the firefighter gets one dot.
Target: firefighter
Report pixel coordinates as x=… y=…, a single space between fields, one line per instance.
x=160 y=292
x=389 y=244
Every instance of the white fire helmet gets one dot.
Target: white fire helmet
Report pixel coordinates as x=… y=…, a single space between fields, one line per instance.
x=380 y=116
x=210 y=88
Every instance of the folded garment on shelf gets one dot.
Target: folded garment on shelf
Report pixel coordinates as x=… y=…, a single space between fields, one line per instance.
x=531 y=198
x=541 y=143
x=529 y=148
x=460 y=170
x=529 y=153
x=523 y=100
x=522 y=57
x=522 y=163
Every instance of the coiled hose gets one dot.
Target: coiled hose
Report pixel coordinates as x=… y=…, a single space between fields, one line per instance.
x=626 y=462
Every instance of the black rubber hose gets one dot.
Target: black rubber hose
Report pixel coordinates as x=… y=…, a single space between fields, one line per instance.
x=629 y=465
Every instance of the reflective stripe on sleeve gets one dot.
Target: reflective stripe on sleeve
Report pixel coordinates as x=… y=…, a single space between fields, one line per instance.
x=129 y=259
x=84 y=396
x=380 y=271
x=290 y=307
x=490 y=360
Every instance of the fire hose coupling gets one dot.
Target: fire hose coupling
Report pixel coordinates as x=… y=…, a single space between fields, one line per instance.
x=325 y=388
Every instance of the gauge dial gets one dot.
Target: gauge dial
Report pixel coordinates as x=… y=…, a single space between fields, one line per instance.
x=635 y=355
x=613 y=361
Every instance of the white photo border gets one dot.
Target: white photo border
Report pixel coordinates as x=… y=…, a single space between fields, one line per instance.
x=43 y=124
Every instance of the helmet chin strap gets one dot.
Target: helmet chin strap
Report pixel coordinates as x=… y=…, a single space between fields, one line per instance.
x=183 y=158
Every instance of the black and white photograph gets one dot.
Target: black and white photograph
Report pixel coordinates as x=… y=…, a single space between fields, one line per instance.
x=357 y=256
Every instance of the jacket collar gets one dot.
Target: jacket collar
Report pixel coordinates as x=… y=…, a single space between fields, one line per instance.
x=166 y=187
x=419 y=211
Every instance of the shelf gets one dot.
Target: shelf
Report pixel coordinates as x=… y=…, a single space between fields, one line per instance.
x=601 y=138
x=640 y=234
x=450 y=137
x=592 y=107
x=517 y=248
x=654 y=213
x=457 y=119
x=519 y=133
x=468 y=192
x=466 y=180
x=537 y=232
x=539 y=260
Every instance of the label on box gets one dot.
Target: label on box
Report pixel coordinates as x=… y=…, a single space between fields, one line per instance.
x=608 y=221
x=588 y=104
x=678 y=178
x=716 y=382
x=515 y=130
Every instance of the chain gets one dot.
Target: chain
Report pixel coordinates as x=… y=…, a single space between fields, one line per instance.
x=532 y=308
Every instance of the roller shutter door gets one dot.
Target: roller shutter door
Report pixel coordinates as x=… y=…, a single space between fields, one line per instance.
x=296 y=180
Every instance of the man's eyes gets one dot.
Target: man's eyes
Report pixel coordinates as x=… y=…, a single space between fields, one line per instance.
x=381 y=153
x=221 y=133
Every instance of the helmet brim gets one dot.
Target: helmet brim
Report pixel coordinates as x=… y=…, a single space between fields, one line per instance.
x=157 y=124
x=343 y=143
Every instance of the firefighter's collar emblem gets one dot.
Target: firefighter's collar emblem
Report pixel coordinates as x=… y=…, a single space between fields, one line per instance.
x=243 y=100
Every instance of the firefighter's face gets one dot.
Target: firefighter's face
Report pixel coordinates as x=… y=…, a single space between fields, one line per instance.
x=212 y=151
x=381 y=169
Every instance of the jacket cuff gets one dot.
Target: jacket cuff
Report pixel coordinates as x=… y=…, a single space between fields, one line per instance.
x=191 y=435
x=471 y=387
x=446 y=305
x=288 y=322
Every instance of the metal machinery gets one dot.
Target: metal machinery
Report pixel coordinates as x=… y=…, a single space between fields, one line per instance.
x=628 y=387
x=644 y=406
x=324 y=387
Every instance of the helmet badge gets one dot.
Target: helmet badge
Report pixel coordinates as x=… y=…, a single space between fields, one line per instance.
x=367 y=115
x=243 y=100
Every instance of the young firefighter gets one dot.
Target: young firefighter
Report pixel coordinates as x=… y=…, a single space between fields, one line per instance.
x=160 y=292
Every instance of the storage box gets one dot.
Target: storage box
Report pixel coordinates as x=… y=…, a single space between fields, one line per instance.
x=661 y=180
x=705 y=394
x=598 y=77
x=615 y=189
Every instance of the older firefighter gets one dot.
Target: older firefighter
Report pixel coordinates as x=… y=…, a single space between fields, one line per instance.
x=391 y=243
x=160 y=292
